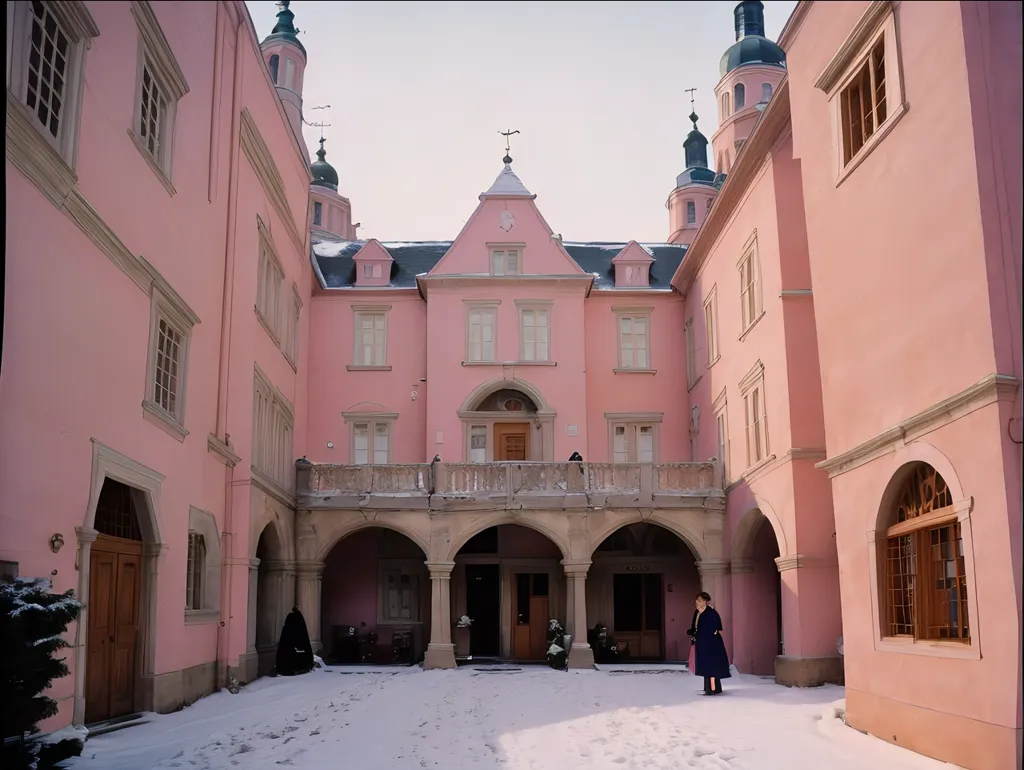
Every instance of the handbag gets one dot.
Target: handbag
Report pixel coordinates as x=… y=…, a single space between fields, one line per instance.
x=692 y=661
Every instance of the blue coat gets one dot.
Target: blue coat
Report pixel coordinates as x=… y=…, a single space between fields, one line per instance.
x=710 y=658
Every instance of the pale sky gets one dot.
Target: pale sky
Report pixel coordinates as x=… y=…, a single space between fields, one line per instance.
x=419 y=91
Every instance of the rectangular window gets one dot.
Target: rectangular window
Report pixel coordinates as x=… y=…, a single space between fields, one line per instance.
x=153 y=126
x=505 y=261
x=534 y=331
x=756 y=424
x=478 y=444
x=691 y=354
x=481 y=334
x=318 y=213
x=399 y=596
x=290 y=341
x=166 y=382
x=750 y=286
x=273 y=429
x=367 y=271
x=862 y=103
x=371 y=443
x=634 y=342
x=171 y=322
x=711 y=325
x=371 y=339
x=633 y=443
x=194 y=571
x=48 y=63
x=710 y=201
x=691 y=213
x=268 y=286
x=722 y=424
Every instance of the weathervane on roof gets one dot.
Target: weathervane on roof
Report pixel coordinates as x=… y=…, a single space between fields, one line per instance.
x=321 y=125
x=508 y=157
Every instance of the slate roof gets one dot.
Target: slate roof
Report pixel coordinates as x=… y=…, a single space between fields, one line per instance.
x=336 y=269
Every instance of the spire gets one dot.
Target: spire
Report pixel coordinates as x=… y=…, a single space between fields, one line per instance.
x=695 y=146
x=749 y=16
x=285 y=20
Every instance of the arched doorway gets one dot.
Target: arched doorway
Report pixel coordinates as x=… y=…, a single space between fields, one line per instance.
x=114 y=654
x=272 y=601
x=509 y=581
x=640 y=587
x=375 y=600
x=757 y=596
x=507 y=421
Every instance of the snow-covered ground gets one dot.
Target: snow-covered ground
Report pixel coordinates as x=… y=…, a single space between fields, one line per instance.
x=533 y=719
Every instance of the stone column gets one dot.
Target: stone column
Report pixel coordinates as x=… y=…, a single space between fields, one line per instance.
x=811 y=624
x=440 y=650
x=309 y=581
x=714 y=580
x=580 y=654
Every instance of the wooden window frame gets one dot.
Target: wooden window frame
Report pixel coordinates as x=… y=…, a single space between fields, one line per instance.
x=751 y=289
x=534 y=306
x=371 y=420
x=481 y=306
x=59 y=153
x=622 y=313
x=204 y=524
x=711 y=326
x=755 y=417
x=505 y=248
x=358 y=312
x=634 y=420
x=168 y=307
x=408 y=567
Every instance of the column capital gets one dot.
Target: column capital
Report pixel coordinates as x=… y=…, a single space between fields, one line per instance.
x=713 y=567
x=254 y=562
x=440 y=569
x=577 y=568
x=86 y=534
x=741 y=566
x=309 y=569
x=792 y=561
x=278 y=565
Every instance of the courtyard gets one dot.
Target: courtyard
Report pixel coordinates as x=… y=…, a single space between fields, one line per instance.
x=530 y=718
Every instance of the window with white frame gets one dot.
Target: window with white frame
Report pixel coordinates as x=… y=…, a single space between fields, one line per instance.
x=862 y=103
x=194 y=571
x=46 y=44
x=171 y=323
x=711 y=325
x=269 y=281
x=371 y=442
x=755 y=415
x=478 y=444
x=273 y=428
x=480 y=333
x=691 y=213
x=691 y=354
x=506 y=261
x=633 y=443
x=160 y=84
x=750 y=284
x=371 y=335
x=634 y=339
x=533 y=333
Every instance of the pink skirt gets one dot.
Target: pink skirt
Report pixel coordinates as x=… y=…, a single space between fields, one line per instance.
x=692 y=662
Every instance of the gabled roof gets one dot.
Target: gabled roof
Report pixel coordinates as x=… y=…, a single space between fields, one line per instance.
x=335 y=268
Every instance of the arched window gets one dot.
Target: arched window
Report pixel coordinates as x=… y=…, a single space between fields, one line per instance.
x=925 y=582
x=691 y=213
x=725 y=104
x=275 y=64
x=740 y=96
x=766 y=92
x=289 y=74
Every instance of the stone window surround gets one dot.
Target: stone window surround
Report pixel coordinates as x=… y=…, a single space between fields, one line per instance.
x=615 y=419
x=505 y=246
x=279 y=406
x=690 y=351
x=547 y=306
x=469 y=306
x=711 y=330
x=168 y=306
x=269 y=317
x=720 y=408
x=108 y=463
x=541 y=447
x=156 y=51
x=81 y=29
x=754 y=380
x=750 y=252
x=370 y=419
x=878 y=23
x=203 y=523
x=357 y=311
x=621 y=312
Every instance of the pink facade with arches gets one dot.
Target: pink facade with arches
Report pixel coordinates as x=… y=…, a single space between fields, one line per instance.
x=806 y=401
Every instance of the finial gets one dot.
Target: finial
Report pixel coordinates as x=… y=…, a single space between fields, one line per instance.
x=507 y=160
x=284 y=20
x=321 y=153
x=693 y=117
x=690 y=92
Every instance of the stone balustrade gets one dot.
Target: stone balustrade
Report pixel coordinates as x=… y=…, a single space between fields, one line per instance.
x=507 y=485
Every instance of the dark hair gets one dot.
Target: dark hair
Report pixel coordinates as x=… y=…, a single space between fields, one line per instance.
x=704 y=595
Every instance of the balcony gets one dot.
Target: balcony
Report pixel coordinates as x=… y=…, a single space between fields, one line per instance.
x=508 y=486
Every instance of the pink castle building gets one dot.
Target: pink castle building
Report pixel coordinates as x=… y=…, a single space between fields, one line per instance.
x=806 y=402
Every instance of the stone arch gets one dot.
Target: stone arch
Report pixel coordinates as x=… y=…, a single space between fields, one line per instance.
x=902 y=465
x=346 y=528
x=692 y=540
x=282 y=532
x=485 y=389
x=528 y=520
x=747 y=528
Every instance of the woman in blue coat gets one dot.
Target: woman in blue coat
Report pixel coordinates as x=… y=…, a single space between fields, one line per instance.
x=711 y=659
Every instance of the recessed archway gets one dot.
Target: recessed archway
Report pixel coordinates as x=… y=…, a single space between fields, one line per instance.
x=509 y=581
x=506 y=421
x=375 y=599
x=757 y=595
x=640 y=588
x=269 y=599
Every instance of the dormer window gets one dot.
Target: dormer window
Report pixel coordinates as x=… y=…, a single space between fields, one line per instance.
x=506 y=261
x=373 y=270
x=691 y=213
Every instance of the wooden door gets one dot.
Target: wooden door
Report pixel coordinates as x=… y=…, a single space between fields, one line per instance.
x=532 y=613
x=511 y=441
x=638 y=617
x=114 y=587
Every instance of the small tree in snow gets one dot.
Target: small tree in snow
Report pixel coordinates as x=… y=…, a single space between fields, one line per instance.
x=32 y=623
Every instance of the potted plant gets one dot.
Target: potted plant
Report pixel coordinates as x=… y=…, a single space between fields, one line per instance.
x=462 y=626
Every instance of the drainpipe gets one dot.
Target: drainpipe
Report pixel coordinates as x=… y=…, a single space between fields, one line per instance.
x=227 y=536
